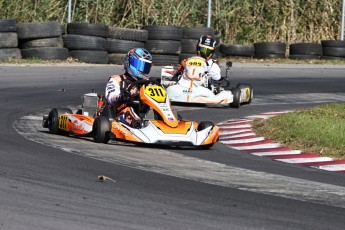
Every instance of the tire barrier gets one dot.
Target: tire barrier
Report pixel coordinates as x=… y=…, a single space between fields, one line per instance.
x=41 y=40
x=269 y=50
x=121 y=40
x=164 y=43
x=237 y=50
x=87 y=42
x=305 y=51
x=333 y=49
x=9 y=40
x=97 y=43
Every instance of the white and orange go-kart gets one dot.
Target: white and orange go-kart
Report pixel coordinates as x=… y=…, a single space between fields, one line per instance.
x=195 y=86
x=163 y=128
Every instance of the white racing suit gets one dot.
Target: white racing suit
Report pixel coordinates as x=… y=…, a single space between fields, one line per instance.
x=190 y=87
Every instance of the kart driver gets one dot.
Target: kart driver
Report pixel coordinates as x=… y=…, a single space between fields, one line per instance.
x=205 y=49
x=137 y=65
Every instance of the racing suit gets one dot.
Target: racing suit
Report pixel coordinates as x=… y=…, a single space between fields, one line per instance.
x=212 y=68
x=119 y=100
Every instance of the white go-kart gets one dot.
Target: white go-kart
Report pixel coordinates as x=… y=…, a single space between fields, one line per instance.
x=197 y=87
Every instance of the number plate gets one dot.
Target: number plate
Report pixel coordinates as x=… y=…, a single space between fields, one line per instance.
x=156 y=92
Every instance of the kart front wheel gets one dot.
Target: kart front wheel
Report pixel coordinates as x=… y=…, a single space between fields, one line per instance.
x=236 y=92
x=248 y=92
x=101 y=130
x=53 y=120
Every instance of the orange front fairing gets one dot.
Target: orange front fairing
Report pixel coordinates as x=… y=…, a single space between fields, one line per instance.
x=182 y=128
x=121 y=132
x=212 y=137
x=156 y=97
x=76 y=123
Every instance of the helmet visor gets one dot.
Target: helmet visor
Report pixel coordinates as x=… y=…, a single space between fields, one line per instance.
x=144 y=66
x=206 y=51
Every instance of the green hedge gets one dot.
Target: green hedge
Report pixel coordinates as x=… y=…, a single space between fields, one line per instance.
x=236 y=21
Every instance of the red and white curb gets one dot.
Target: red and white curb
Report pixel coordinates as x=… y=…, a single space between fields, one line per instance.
x=238 y=134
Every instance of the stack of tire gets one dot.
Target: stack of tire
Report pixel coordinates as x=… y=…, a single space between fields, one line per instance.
x=87 y=42
x=190 y=38
x=121 y=40
x=9 y=40
x=237 y=50
x=269 y=50
x=41 y=40
x=333 y=49
x=164 y=43
x=305 y=51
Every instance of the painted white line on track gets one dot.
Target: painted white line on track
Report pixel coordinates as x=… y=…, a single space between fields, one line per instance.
x=305 y=160
x=236 y=126
x=248 y=140
x=259 y=146
x=278 y=153
x=233 y=132
x=337 y=167
x=241 y=135
x=35 y=118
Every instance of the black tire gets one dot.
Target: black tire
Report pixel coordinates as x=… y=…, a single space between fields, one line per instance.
x=43 y=42
x=128 y=34
x=159 y=32
x=10 y=53
x=189 y=46
x=116 y=58
x=196 y=32
x=333 y=43
x=8 y=25
x=251 y=91
x=183 y=56
x=269 y=56
x=84 y=42
x=97 y=30
x=53 y=120
x=35 y=30
x=237 y=50
x=161 y=59
x=122 y=46
x=334 y=51
x=90 y=56
x=8 y=40
x=306 y=48
x=270 y=48
x=46 y=53
x=333 y=58
x=304 y=57
x=236 y=92
x=163 y=46
x=203 y=125
x=101 y=130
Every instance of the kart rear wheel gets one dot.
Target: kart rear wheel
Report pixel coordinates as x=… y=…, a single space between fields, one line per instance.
x=53 y=120
x=251 y=91
x=203 y=125
x=101 y=130
x=236 y=92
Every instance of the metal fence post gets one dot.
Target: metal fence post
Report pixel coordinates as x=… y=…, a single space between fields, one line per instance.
x=69 y=10
x=209 y=13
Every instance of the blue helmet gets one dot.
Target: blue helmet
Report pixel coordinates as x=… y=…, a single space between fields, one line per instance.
x=138 y=63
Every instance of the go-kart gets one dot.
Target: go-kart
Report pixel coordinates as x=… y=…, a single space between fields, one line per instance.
x=205 y=91
x=163 y=128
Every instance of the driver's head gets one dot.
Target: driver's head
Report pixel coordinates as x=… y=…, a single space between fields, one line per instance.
x=206 y=46
x=138 y=63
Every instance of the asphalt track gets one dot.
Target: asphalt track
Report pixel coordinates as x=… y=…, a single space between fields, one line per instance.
x=51 y=182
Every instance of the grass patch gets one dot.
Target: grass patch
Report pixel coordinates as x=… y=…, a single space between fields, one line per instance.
x=320 y=129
